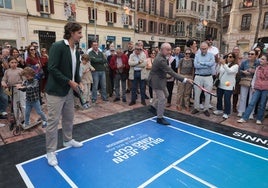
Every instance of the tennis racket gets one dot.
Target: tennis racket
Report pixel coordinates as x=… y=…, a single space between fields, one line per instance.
x=205 y=90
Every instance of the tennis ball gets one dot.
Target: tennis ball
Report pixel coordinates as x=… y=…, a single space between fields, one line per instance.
x=227 y=83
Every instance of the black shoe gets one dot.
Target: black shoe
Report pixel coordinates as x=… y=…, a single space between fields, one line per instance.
x=162 y=121
x=3 y=116
x=124 y=100
x=146 y=97
x=153 y=110
x=195 y=111
x=206 y=113
x=127 y=91
x=131 y=103
x=143 y=103
x=116 y=99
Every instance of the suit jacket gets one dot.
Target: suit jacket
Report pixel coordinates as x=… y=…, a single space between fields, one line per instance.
x=160 y=69
x=60 y=69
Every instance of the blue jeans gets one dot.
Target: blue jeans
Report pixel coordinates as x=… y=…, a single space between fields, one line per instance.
x=99 y=78
x=227 y=100
x=137 y=79
x=36 y=105
x=3 y=101
x=257 y=94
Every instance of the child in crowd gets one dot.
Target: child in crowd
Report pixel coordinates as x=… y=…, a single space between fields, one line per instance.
x=31 y=87
x=86 y=76
x=12 y=77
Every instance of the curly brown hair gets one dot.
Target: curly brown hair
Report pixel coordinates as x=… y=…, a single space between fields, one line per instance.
x=28 y=71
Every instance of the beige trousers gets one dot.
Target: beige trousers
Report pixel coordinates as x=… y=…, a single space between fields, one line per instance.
x=59 y=107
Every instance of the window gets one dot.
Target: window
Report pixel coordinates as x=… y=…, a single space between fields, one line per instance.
x=265 y=21
x=142 y=25
x=6 y=4
x=170 y=29
x=126 y=19
x=141 y=5
x=246 y=21
x=170 y=14
x=110 y=17
x=162 y=8
x=201 y=8
x=92 y=13
x=44 y=6
x=152 y=27
x=47 y=6
x=181 y=4
x=180 y=28
x=193 y=6
x=162 y=28
x=152 y=6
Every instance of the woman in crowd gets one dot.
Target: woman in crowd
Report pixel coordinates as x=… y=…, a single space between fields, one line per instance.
x=246 y=71
x=260 y=91
x=44 y=62
x=186 y=69
x=16 y=54
x=33 y=61
x=148 y=68
x=227 y=70
x=236 y=92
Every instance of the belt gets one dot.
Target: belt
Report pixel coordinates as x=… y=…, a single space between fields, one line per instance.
x=137 y=70
x=202 y=74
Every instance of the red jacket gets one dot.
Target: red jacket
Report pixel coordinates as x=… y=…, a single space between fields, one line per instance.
x=113 y=65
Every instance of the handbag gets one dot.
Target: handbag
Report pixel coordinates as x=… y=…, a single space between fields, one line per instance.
x=216 y=82
x=245 y=81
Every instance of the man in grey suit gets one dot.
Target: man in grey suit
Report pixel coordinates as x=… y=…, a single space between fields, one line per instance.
x=158 y=80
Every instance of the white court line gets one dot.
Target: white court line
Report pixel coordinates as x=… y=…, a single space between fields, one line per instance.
x=195 y=177
x=207 y=130
x=225 y=145
x=172 y=165
x=25 y=177
x=69 y=181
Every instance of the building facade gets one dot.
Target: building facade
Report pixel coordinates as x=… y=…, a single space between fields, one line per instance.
x=244 y=23
x=13 y=23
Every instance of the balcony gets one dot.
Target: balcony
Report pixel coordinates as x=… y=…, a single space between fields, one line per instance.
x=187 y=13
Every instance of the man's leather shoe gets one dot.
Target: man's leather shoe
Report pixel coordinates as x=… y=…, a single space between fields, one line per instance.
x=143 y=103
x=162 y=121
x=131 y=103
x=116 y=99
x=195 y=111
x=206 y=113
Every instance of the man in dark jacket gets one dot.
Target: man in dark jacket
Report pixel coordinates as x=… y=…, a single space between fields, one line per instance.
x=158 y=80
x=63 y=79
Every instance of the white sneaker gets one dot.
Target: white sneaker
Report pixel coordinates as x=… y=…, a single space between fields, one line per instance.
x=4 y=113
x=210 y=106
x=258 y=122
x=251 y=116
x=151 y=100
x=72 y=143
x=201 y=106
x=217 y=112
x=241 y=120
x=52 y=159
x=225 y=116
x=239 y=114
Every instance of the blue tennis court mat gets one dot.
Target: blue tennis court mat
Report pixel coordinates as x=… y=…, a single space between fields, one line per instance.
x=146 y=154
